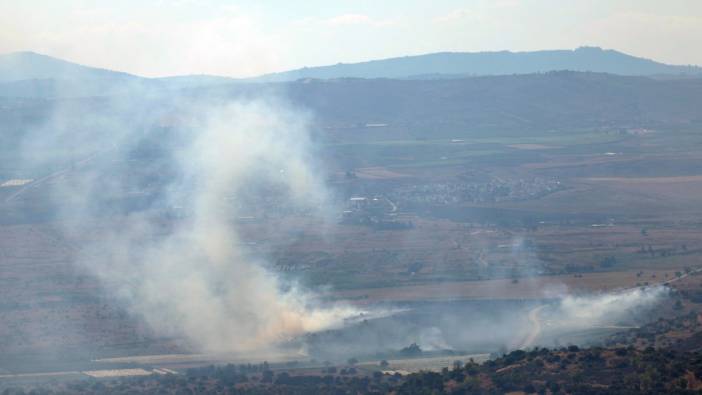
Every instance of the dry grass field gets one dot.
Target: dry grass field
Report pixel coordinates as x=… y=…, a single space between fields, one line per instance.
x=542 y=287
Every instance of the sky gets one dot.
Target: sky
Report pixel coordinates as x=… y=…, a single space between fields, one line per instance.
x=247 y=38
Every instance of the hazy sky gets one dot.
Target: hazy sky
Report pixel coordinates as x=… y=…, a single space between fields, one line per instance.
x=244 y=38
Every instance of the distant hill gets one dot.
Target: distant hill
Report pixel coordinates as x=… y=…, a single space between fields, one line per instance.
x=489 y=105
x=29 y=74
x=18 y=66
x=456 y=64
x=364 y=110
x=188 y=81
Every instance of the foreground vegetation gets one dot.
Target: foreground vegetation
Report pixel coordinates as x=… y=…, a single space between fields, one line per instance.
x=558 y=371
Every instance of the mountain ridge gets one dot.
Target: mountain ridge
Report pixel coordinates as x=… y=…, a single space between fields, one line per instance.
x=28 y=65
x=29 y=74
x=589 y=59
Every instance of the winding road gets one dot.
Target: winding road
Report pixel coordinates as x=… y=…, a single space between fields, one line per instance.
x=535 y=330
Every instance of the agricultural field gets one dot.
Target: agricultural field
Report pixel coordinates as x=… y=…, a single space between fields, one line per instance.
x=417 y=214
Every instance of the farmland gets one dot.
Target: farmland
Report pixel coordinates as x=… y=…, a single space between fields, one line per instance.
x=492 y=208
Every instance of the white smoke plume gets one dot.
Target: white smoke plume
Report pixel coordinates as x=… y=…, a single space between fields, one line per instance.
x=607 y=308
x=195 y=278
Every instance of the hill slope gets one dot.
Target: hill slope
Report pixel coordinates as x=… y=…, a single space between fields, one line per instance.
x=489 y=63
x=18 y=66
x=534 y=101
x=29 y=74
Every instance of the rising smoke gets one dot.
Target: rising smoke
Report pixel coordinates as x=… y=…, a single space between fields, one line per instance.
x=607 y=308
x=195 y=277
x=217 y=160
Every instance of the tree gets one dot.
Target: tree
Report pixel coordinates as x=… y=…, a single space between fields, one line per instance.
x=682 y=383
x=412 y=349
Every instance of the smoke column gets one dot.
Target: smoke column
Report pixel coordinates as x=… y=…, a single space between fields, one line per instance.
x=196 y=278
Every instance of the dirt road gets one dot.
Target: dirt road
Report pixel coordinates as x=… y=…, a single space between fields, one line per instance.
x=535 y=330
x=42 y=180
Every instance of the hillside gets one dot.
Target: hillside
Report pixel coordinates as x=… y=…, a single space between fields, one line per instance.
x=510 y=105
x=539 y=371
x=19 y=66
x=444 y=64
x=501 y=103
x=29 y=74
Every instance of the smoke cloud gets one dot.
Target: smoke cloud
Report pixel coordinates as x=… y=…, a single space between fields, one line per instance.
x=607 y=308
x=155 y=187
x=194 y=277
